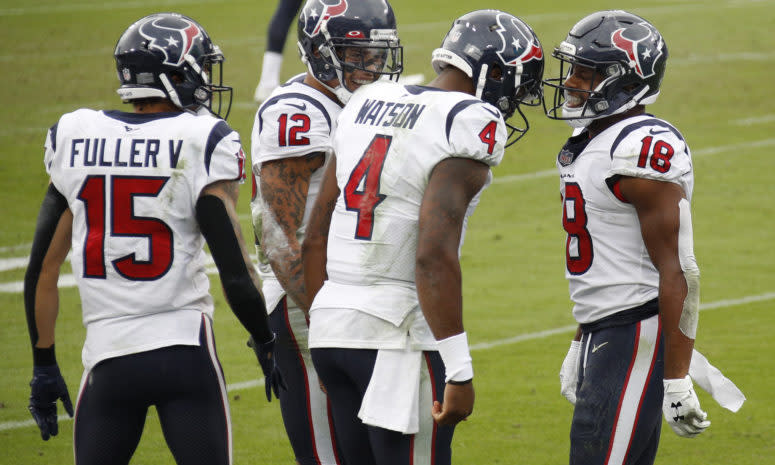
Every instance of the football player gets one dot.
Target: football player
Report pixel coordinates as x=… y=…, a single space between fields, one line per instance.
x=386 y=331
x=272 y=61
x=135 y=196
x=626 y=181
x=344 y=46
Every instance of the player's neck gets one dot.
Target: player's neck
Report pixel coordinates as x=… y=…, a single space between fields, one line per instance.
x=156 y=106
x=451 y=78
x=599 y=125
x=317 y=85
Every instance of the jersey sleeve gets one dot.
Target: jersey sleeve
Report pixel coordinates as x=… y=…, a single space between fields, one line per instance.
x=291 y=126
x=224 y=159
x=476 y=130
x=654 y=150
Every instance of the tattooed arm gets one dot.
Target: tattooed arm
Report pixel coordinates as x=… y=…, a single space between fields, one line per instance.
x=315 y=241
x=284 y=185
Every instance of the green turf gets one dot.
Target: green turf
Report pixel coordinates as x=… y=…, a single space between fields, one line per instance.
x=57 y=57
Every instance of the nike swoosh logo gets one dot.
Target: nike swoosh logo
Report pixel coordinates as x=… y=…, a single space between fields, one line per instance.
x=597 y=346
x=496 y=114
x=653 y=132
x=301 y=107
x=130 y=129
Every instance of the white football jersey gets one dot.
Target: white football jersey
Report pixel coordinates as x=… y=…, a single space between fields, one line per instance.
x=389 y=139
x=607 y=263
x=132 y=182
x=296 y=120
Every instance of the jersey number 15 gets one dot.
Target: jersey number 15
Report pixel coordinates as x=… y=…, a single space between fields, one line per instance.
x=124 y=223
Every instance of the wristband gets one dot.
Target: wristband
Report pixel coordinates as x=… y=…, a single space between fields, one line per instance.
x=457 y=358
x=44 y=357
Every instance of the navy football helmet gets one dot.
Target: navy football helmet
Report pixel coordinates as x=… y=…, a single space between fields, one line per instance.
x=628 y=55
x=171 y=56
x=338 y=36
x=502 y=56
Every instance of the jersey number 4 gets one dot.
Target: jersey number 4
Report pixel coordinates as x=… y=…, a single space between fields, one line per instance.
x=124 y=223
x=578 y=246
x=361 y=194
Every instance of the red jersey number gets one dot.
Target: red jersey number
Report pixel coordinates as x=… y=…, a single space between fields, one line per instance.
x=367 y=173
x=124 y=223
x=578 y=246
x=487 y=135
x=291 y=135
x=659 y=154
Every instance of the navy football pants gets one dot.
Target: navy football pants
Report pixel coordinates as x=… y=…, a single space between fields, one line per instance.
x=618 y=413
x=346 y=374
x=184 y=383
x=303 y=404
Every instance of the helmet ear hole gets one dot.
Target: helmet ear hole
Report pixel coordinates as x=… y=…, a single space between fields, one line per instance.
x=496 y=73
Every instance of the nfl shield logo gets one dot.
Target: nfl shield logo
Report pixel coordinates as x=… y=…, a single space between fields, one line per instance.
x=126 y=74
x=565 y=157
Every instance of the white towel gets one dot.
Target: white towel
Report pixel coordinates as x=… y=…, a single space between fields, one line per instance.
x=710 y=378
x=392 y=397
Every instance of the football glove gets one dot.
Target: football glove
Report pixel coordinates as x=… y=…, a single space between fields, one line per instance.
x=48 y=386
x=273 y=380
x=682 y=408
x=569 y=372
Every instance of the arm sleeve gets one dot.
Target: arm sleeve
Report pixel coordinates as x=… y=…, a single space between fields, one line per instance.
x=244 y=298
x=54 y=205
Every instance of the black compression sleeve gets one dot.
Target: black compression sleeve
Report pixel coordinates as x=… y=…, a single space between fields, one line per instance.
x=54 y=205
x=244 y=298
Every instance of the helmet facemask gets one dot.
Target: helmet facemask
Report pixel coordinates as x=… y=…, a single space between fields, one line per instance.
x=508 y=92
x=361 y=61
x=611 y=90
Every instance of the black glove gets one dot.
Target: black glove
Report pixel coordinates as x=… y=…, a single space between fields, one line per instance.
x=273 y=380
x=48 y=386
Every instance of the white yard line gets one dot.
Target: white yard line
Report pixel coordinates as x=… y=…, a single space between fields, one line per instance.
x=10 y=425
x=754 y=120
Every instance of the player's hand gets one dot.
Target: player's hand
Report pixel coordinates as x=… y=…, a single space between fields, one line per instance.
x=48 y=386
x=457 y=406
x=273 y=380
x=569 y=372
x=682 y=408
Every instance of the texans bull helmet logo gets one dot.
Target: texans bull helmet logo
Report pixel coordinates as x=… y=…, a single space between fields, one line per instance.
x=174 y=37
x=635 y=43
x=319 y=14
x=516 y=43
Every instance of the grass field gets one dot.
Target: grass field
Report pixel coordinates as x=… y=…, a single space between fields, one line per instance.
x=58 y=57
